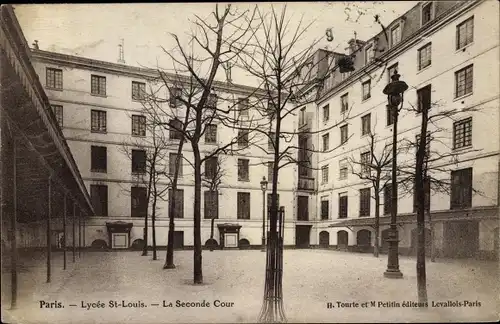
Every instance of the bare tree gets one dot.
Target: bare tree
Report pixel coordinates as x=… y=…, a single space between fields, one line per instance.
x=212 y=179
x=213 y=38
x=376 y=170
x=430 y=170
x=146 y=152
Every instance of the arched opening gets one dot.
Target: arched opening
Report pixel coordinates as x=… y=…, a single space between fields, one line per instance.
x=364 y=240
x=138 y=244
x=324 y=239
x=385 y=244
x=342 y=240
x=414 y=242
x=211 y=243
x=99 y=244
x=244 y=244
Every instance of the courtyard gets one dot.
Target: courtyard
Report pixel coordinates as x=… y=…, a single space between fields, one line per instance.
x=233 y=286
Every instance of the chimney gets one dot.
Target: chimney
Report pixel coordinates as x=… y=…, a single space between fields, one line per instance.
x=121 y=54
x=354 y=45
x=35 y=44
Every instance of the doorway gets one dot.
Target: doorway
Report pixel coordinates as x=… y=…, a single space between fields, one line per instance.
x=461 y=239
x=324 y=239
x=302 y=236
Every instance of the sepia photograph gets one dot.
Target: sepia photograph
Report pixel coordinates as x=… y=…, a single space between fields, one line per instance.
x=254 y=162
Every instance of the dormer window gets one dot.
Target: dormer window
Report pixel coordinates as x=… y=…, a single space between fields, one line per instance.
x=427 y=12
x=395 y=35
x=369 y=53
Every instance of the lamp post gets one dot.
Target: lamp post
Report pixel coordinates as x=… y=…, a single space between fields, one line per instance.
x=394 y=91
x=263 y=186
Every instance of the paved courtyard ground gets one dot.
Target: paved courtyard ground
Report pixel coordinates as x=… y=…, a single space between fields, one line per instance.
x=312 y=278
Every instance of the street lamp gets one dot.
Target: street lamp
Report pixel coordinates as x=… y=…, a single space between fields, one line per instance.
x=263 y=187
x=394 y=91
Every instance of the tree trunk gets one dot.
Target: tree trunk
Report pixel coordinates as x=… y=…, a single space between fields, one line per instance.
x=197 y=258
x=153 y=220
x=376 y=247
x=145 y=247
x=169 y=260
x=420 y=176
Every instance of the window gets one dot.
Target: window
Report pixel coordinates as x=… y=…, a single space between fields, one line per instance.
x=326 y=113
x=98 y=159
x=179 y=202
x=391 y=70
x=211 y=167
x=465 y=33
x=175 y=131
x=211 y=202
x=463 y=81
x=303 y=208
x=324 y=174
x=139 y=202
x=424 y=56
x=302 y=116
x=172 y=164
x=427 y=13
x=343 y=205
x=138 y=90
x=343 y=134
x=98 y=121
x=424 y=98
x=390 y=115
x=58 y=112
x=138 y=161
x=366 y=89
x=343 y=169
x=138 y=125
x=99 y=197
x=270 y=171
x=345 y=75
x=211 y=134
x=212 y=101
x=98 y=85
x=269 y=201
x=243 y=107
x=270 y=141
x=461 y=189
x=243 y=171
x=387 y=199
x=462 y=133
x=324 y=209
x=344 y=103
x=242 y=138
x=54 y=78
x=427 y=196
x=243 y=205
x=174 y=96
x=366 y=124
x=365 y=162
x=326 y=142
x=364 y=202
x=369 y=54
x=395 y=35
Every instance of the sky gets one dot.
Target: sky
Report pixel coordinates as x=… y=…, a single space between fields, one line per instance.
x=95 y=30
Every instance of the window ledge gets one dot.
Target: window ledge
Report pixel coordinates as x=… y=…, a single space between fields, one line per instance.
x=52 y=88
x=424 y=68
x=98 y=131
x=244 y=180
x=364 y=135
x=462 y=149
x=137 y=135
x=98 y=95
x=463 y=48
x=464 y=96
x=210 y=143
x=138 y=173
x=98 y=171
x=138 y=100
x=366 y=99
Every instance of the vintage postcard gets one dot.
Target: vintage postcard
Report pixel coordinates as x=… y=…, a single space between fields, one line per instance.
x=250 y=162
